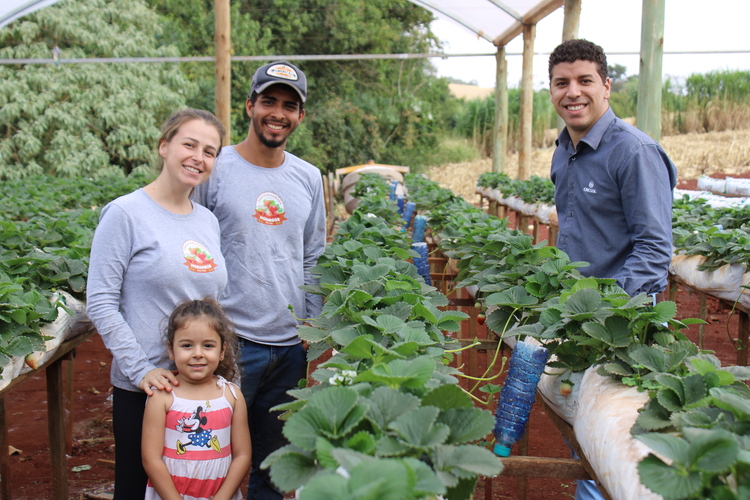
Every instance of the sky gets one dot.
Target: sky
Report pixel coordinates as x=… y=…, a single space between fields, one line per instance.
x=690 y=25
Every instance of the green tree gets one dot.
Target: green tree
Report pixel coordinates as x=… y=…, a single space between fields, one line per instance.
x=85 y=119
x=384 y=110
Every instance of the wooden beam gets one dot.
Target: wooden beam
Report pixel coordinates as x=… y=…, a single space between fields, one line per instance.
x=223 y=47
x=648 y=110
x=527 y=102
x=5 y=492
x=500 y=126
x=56 y=429
x=536 y=14
x=571 y=19
x=561 y=468
x=571 y=22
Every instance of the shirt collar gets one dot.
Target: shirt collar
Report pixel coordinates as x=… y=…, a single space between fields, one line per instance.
x=594 y=136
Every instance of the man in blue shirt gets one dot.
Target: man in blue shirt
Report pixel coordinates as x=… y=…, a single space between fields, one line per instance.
x=613 y=184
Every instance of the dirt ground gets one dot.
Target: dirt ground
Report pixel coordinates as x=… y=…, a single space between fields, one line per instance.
x=93 y=445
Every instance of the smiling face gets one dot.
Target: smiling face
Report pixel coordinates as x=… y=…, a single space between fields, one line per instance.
x=189 y=157
x=196 y=350
x=275 y=114
x=579 y=95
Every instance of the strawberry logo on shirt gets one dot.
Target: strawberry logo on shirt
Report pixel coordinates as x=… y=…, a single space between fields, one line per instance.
x=269 y=209
x=197 y=258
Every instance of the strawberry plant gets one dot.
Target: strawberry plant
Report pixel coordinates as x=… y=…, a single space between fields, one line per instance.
x=533 y=190
x=45 y=239
x=722 y=235
x=697 y=420
x=386 y=401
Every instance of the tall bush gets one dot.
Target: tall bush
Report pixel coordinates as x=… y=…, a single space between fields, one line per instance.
x=84 y=119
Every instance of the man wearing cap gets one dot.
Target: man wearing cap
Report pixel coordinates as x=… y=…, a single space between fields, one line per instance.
x=271 y=212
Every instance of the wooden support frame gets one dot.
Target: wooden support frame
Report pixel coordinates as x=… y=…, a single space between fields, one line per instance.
x=743 y=313
x=59 y=372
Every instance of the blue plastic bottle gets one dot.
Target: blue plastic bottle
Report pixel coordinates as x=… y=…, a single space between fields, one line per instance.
x=421 y=262
x=517 y=397
x=420 y=222
x=408 y=213
x=400 y=201
x=394 y=185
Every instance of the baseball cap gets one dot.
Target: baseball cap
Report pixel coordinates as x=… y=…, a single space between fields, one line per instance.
x=279 y=72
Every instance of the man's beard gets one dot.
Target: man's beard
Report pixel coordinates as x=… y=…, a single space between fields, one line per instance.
x=269 y=143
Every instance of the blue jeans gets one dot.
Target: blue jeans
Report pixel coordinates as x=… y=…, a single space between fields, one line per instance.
x=268 y=372
x=585 y=488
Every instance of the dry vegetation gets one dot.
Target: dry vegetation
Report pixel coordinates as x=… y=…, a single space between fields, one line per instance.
x=694 y=154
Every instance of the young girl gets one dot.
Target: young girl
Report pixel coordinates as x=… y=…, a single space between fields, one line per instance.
x=196 y=442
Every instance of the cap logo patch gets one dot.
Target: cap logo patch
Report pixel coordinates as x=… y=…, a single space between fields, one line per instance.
x=282 y=71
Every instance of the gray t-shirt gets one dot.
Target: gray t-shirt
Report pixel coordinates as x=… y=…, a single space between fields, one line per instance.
x=144 y=261
x=272 y=233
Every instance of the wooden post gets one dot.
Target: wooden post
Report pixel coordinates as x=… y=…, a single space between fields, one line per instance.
x=742 y=338
x=522 y=484
x=4 y=460
x=500 y=126
x=223 y=47
x=648 y=111
x=527 y=102
x=56 y=428
x=571 y=21
x=703 y=314
x=672 y=289
x=69 y=371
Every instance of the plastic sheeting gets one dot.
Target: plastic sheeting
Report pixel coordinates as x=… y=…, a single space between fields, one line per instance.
x=488 y=20
x=546 y=214
x=10 y=10
x=601 y=411
x=730 y=186
x=726 y=282
x=58 y=331
x=492 y=20
x=711 y=199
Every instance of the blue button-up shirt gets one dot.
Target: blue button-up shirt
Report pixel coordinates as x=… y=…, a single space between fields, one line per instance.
x=613 y=195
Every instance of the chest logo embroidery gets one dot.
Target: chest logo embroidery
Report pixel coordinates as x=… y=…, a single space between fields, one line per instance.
x=590 y=188
x=269 y=209
x=197 y=258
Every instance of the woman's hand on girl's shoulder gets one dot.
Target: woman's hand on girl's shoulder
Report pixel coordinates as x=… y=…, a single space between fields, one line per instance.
x=160 y=379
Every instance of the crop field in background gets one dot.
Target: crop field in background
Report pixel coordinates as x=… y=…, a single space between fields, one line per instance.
x=695 y=154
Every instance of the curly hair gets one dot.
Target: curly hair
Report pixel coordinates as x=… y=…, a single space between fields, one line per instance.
x=579 y=50
x=211 y=312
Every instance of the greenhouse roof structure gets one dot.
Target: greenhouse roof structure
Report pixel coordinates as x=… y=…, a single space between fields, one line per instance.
x=497 y=21
x=10 y=10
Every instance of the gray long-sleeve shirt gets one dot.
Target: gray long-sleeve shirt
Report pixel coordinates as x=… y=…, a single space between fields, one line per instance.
x=614 y=203
x=144 y=261
x=272 y=233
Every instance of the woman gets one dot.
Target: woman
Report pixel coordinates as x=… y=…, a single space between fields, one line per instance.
x=152 y=249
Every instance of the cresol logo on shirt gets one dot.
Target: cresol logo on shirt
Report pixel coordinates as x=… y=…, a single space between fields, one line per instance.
x=197 y=257
x=269 y=209
x=590 y=188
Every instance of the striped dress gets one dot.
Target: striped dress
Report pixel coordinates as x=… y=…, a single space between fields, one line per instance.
x=197 y=447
